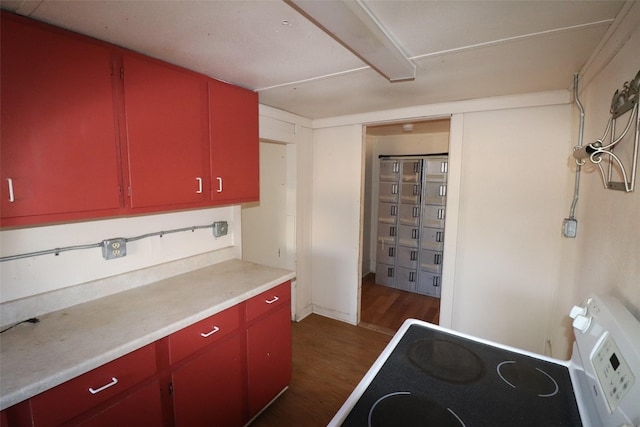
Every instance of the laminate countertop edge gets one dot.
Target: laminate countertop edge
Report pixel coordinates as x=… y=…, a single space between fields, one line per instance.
x=70 y=342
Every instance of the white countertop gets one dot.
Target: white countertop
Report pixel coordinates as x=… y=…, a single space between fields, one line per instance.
x=70 y=342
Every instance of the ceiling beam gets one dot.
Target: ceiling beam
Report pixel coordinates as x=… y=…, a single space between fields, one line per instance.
x=352 y=24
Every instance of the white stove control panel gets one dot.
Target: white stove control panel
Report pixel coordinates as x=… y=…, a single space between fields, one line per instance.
x=613 y=372
x=606 y=360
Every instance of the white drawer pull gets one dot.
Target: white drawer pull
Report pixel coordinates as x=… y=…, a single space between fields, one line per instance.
x=208 y=334
x=11 y=196
x=219 y=190
x=271 y=301
x=113 y=382
x=199 y=181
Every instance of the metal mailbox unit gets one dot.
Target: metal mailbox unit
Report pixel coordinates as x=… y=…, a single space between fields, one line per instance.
x=411 y=215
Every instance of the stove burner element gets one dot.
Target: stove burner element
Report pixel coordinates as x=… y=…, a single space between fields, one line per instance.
x=404 y=409
x=524 y=377
x=446 y=360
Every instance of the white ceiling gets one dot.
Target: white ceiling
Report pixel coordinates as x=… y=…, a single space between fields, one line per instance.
x=461 y=49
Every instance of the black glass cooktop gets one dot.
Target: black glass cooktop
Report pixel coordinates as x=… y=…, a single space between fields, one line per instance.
x=433 y=378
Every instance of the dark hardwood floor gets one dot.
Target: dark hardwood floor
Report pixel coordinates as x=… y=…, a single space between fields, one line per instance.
x=385 y=309
x=331 y=357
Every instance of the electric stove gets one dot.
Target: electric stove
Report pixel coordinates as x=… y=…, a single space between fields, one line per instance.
x=432 y=376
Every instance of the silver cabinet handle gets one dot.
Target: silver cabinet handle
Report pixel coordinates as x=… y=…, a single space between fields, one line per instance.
x=113 y=382
x=11 y=196
x=219 y=184
x=271 y=301
x=208 y=334
x=199 y=180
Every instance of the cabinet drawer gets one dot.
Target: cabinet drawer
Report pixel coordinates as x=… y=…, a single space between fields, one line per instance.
x=432 y=238
x=429 y=284
x=387 y=213
x=409 y=214
x=431 y=261
x=389 y=192
x=269 y=300
x=406 y=279
x=389 y=170
x=437 y=169
x=88 y=390
x=192 y=338
x=408 y=236
x=385 y=274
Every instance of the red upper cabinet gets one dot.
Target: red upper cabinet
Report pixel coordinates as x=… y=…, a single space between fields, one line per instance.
x=233 y=124
x=89 y=130
x=58 y=140
x=166 y=133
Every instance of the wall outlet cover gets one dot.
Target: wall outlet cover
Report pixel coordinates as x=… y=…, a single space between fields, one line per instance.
x=114 y=248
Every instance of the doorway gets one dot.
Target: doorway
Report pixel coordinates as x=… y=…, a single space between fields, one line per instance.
x=384 y=308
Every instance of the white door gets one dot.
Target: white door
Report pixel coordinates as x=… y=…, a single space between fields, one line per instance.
x=264 y=224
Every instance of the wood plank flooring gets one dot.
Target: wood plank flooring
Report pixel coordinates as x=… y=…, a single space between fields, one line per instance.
x=329 y=359
x=385 y=309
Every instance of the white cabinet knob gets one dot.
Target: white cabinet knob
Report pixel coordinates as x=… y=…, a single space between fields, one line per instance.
x=577 y=310
x=582 y=323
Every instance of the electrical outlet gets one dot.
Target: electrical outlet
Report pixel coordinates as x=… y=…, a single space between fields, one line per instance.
x=114 y=248
x=220 y=228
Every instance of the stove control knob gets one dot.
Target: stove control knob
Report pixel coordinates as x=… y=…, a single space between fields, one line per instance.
x=582 y=323
x=577 y=311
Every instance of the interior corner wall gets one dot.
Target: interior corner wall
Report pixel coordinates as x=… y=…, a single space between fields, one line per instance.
x=335 y=229
x=295 y=131
x=606 y=250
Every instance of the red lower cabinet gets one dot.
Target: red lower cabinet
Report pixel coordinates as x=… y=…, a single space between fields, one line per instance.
x=220 y=371
x=110 y=382
x=141 y=409
x=268 y=318
x=209 y=389
x=268 y=358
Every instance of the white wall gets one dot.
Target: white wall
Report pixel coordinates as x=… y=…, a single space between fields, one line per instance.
x=266 y=238
x=604 y=258
x=47 y=274
x=502 y=133
x=338 y=157
x=511 y=208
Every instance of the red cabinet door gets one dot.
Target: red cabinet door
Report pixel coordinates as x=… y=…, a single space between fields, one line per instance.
x=58 y=151
x=166 y=133
x=141 y=408
x=268 y=357
x=209 y=389
x=234 y=143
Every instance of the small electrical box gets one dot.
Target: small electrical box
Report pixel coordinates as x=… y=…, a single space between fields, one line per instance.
x=114 y=248
x=220 y=228
x=569 y=227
